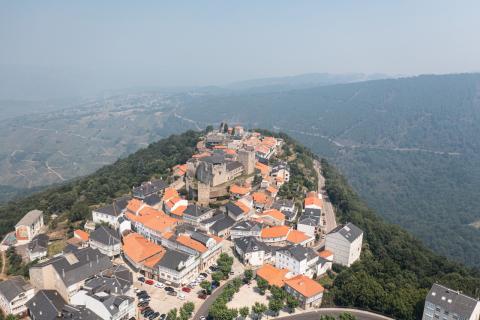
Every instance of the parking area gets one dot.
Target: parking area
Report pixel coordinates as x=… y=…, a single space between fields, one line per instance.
x=163 y=302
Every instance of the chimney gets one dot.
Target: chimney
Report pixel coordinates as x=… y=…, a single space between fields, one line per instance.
x=97 y=259
x=63 y=273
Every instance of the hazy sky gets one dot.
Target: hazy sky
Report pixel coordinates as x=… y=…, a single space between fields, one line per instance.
x=113 y=44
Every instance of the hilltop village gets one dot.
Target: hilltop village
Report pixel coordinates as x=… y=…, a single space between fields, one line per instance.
x=228 y=222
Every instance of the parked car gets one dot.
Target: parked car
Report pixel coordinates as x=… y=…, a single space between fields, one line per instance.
x=155 y=315
x=172 y=293
x=203 y=274
x=141 y=279
x=202 y=296
x=159 y=285
x=202 y=318
x=147 y=309
x=232 y=273
x=163 y=316
x=142 y=304
x=148 y=313
x=181 y=296
x=169 y=289
x=150 y=282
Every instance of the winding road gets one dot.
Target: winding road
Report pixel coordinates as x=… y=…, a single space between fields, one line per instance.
x=315 y=315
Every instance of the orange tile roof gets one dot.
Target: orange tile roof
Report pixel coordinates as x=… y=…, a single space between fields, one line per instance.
x=134 y=205
x=312 y=194
x=217 y=239
x=169 y=193
x=138 y=249
x=220 y=147
x=230 y=151
x=172 y=201
x=260 y=197
x=239 y=189
x=262 y=148
x=279 y=179
x=155 y=220
x=296 y=236
x=274 y=213
x=242 y=206
x=275 y=232
x=179 y=210
x=305 y=286
x=152 y=261
x=167 y=235
x=146 y=210
x=180 y=169
x=201 y=155
x=193 y=244
x=81 y=235
x=274 y=276
x=272 y=189
x=325 y=253
x=313 y=201
x=264 y=169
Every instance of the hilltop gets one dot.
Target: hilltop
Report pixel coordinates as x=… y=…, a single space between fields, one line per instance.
x=392 y=276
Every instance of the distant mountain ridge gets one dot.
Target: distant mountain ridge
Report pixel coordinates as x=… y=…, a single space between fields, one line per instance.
x=410 y=146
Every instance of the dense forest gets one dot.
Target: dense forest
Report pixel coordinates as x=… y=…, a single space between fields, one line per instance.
x=409 y=146
x=75 y=197
x=396 y=270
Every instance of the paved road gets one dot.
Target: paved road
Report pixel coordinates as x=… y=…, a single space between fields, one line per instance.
x=331 y=223
x=203 y=310
x=315 y=315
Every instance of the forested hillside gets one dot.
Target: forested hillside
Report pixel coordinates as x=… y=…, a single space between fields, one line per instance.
x=396 y=270
x=75 y=197
x=409 y=146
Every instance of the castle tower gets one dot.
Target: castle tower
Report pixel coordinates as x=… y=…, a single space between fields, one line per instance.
x=247 y=159
x=203 y=194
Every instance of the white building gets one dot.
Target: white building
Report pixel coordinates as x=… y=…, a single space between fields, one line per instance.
x=446 y=304
x=106 y=306
x=345 y=241
x=14 y=294
x=246 y=228
x=307 y=291
x=29 y=226
x=298 y=259
x=110 y=214
x=252 y=251
x=106 y=240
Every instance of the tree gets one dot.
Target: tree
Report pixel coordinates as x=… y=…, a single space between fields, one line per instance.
x=11 y=317
x=207 y=286
x=327 y=317
x=292 y=303
x=278 y=293
x=237 y=283
x=262 y=285
x=189 y=307
x=217 y=276
x=347 y=316
x=258 y=309
x=248 y=275
x=275 y=305
x=172 y=314
x=244 y=312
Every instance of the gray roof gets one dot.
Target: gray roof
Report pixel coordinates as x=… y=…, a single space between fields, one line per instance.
x=46 y=305
x=30 y=218
x=195 y=210
x=452 y=301
x=232 y=165
x=223 y=224
x=111 y=302
x=105 y=235
x=309 y=220
x=248 y=225
x=148 y=188
x=12 y=287
x=312 y=212
x=234 y=209
x=278 y=204
x=219 y=215
x=78 y=313
x=172 y=259
x=78 y=265
x=39 y=243
x=116 y=207
x=299 y=252
x=152 y=199
x=116 y=280
x=200 y=237
x=348 y=231
x=214 y=159
x=250 y=244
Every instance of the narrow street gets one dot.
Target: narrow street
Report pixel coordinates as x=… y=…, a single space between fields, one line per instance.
x=331 y=223
x=315 y=315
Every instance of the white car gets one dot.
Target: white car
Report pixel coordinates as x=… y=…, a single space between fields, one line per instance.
x=181 y=296
x=159 y=285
